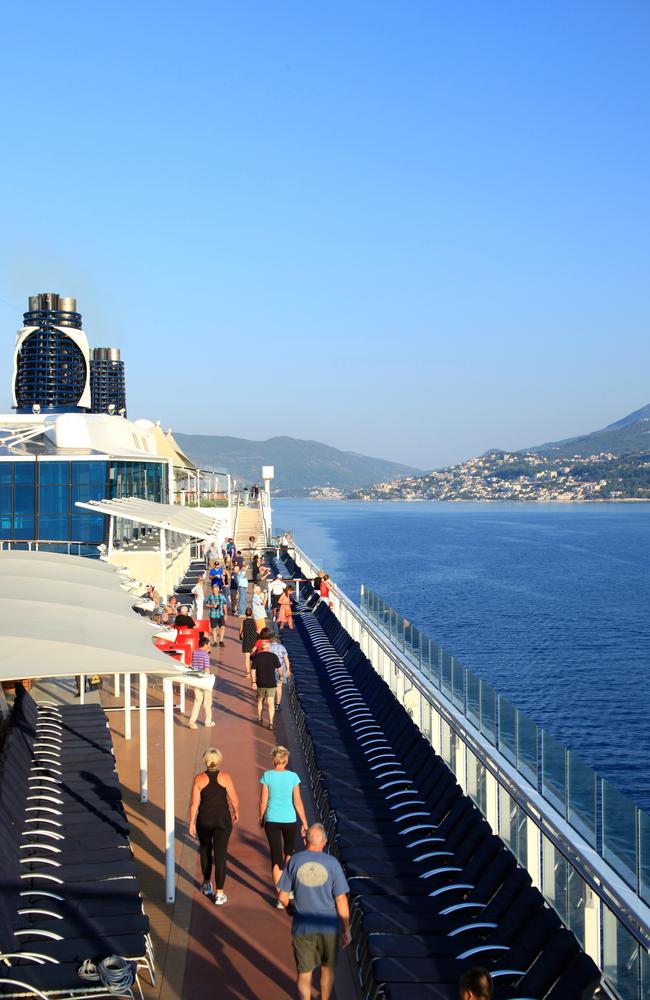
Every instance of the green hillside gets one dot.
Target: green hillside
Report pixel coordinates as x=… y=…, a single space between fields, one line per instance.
x=628 y=436
x=299 y=465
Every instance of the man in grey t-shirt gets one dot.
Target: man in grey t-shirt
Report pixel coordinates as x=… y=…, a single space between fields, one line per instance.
x=321 y=908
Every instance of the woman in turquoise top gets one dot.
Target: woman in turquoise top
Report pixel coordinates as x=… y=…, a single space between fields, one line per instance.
x=280 y=808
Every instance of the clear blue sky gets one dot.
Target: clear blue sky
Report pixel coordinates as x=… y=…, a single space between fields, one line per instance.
x=416 y=230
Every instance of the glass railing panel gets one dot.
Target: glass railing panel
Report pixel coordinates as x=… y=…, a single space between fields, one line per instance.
x=576 y=904
x=581 y=798
x=392 y=628
x=473 y=696
x=458 y=685
x=489 y=713
x=644 y=856
x=426 y=718
x=425 y=655
x=476 y=782
x=555 y=879
x=619 y=832
x=447 y=745
x=385 y=617
x=400 y=623
x=645 y=974
x=508 y=729
x=527 y=748
x=416 y=644
x=446 y=673
x=554 y=772
x=436 y=665
x=621 y=961
x=512 y=826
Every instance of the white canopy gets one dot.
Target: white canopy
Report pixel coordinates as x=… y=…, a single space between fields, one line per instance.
x=193 y=521
x=64 y=615
x=52 y=568
x=42 y=638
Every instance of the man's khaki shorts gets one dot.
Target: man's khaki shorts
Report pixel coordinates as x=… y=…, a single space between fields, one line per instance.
x=265 y=693
x=313 y=950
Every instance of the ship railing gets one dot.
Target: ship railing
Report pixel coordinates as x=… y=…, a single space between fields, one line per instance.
x=584 y=844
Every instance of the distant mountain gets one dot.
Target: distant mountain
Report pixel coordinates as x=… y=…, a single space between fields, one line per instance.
x=299 y=465
x=628 y=436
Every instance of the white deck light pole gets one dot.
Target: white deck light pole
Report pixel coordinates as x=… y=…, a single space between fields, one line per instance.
x=142 y=709
x=127 y=706
x=170 y=809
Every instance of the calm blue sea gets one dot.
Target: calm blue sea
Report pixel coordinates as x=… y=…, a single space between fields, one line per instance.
x=550 y=603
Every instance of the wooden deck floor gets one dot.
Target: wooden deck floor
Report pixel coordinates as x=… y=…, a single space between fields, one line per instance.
x=243 y=949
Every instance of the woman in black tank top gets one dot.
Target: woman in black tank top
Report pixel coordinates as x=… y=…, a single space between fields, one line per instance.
x=213 y=810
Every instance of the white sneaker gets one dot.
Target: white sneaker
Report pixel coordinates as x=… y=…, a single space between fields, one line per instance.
x=220 y=899
x=209 y=725
x=192 y=725
x=279 y=905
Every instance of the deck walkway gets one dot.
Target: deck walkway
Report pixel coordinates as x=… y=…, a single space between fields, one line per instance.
x=242 y=949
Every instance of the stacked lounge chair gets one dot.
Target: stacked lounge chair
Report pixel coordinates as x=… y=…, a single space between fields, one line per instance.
x=69 y=895
x=433 y=891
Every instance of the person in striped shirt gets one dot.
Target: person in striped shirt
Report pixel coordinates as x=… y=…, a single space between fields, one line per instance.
x=202 y=697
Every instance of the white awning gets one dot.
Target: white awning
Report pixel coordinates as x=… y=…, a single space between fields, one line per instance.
x=193 y=521
x=56 y=568
x=62 y=616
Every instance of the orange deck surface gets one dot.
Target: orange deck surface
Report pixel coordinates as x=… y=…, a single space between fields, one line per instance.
x=243 y=949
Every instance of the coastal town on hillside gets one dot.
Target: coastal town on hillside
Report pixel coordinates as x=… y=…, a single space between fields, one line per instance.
x=521 y=476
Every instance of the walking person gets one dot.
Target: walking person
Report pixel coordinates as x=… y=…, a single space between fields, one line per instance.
x=217 y=614
x=264 y=666
x=276 y=588
x=258 y=604
x=214 y=807
x=321 y=918
x=284 y=673
x=280 y=808
x=248 y=636
x=242 y=591
x=285 y=614
x=233 y=591
x=198 y=593
x=202 y=695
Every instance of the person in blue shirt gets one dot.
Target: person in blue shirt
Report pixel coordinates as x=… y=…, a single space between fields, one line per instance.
x=280 y=808
x=321 y=909
x=217 y=608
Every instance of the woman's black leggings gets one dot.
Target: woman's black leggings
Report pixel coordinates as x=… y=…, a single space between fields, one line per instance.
x=213 y=849
x=282 y=841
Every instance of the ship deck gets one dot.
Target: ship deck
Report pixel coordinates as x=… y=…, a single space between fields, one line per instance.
x=243 y=949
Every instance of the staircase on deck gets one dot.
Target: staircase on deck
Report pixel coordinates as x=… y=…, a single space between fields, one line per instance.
x=249 y=522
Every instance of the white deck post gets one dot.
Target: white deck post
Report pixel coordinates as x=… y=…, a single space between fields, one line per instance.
x=116 y=681
x=142 y=708
x=111 y=525
x=181 y=699
x=170 y=810
x=163 y=562
x=127 y=706
x=82 y=689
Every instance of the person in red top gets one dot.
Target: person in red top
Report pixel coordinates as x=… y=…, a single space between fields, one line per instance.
x=325 y=587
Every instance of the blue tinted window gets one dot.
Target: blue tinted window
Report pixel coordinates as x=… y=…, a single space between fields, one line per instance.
x=5 y=471
x=87 y=527
x=24 y=526
x=24 y=500
x=53 y=527
x=53 y=473
x=89 y=480
x=54 y=500
x=24 y=472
